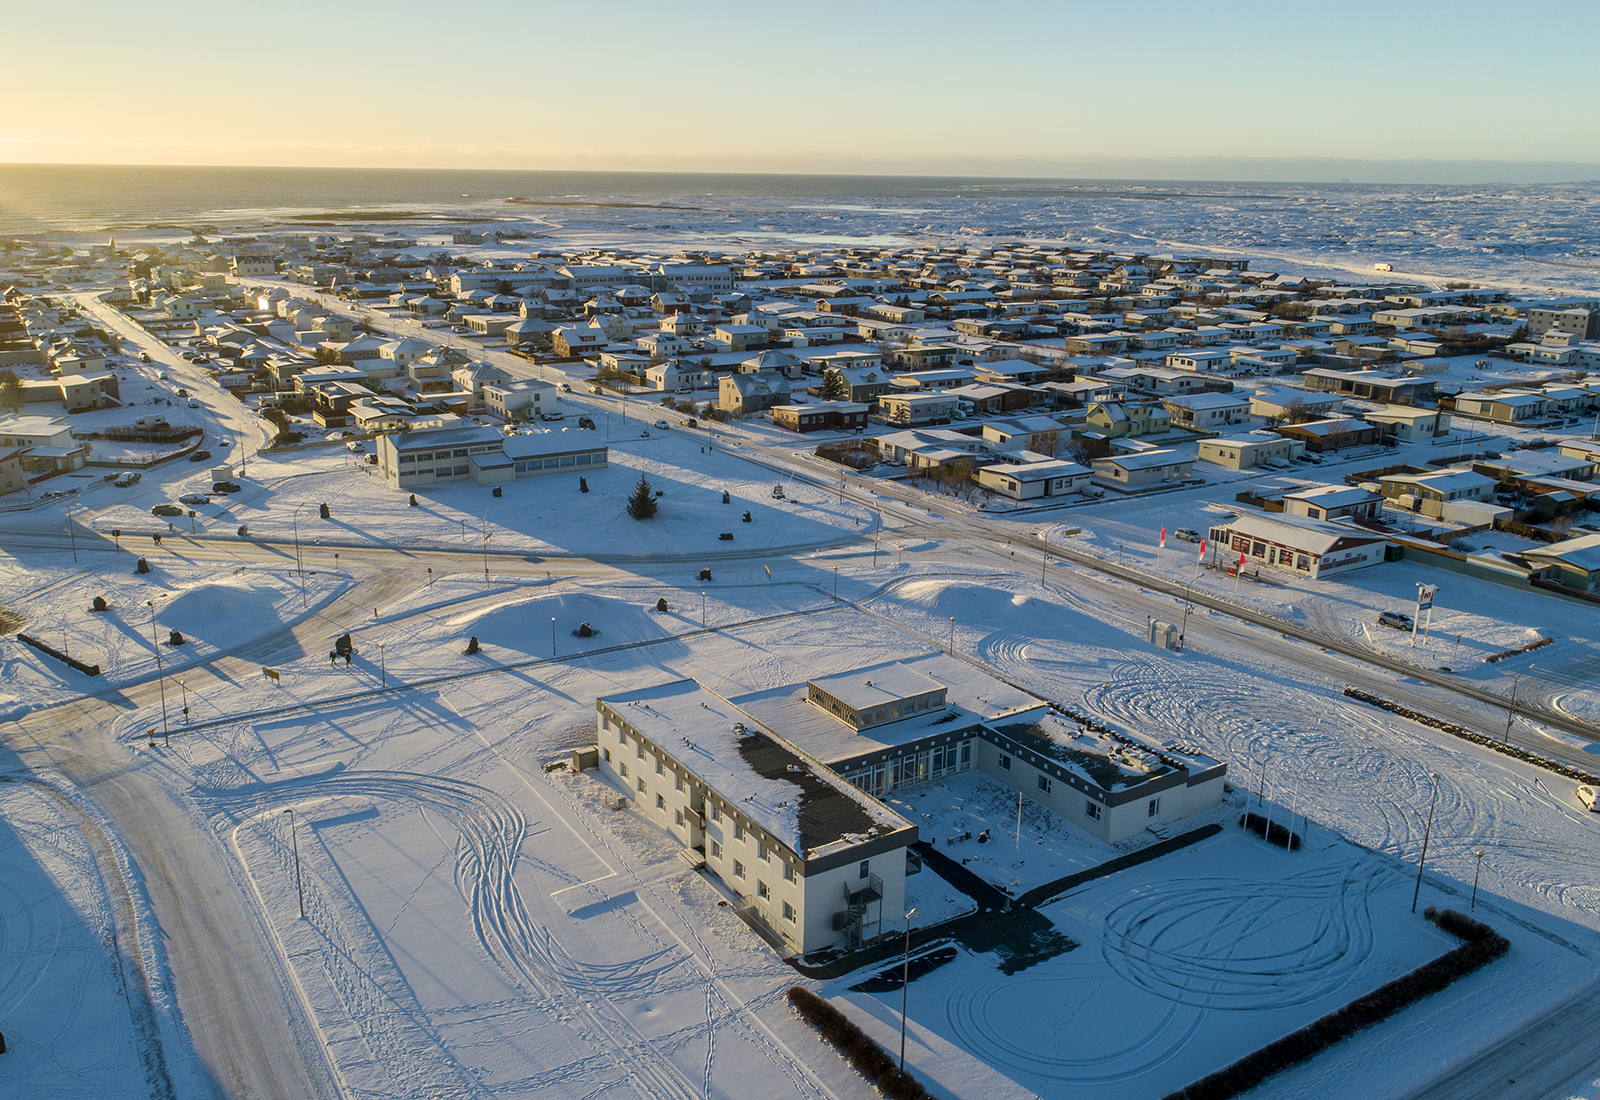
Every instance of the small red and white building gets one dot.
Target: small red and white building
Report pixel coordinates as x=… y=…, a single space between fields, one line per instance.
x=1299 y=545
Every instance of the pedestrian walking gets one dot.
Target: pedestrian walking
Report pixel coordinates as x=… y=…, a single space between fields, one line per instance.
x=332 y=658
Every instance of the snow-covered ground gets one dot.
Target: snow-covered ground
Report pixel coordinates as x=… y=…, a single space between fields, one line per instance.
x=215 y=609
x=477 y=922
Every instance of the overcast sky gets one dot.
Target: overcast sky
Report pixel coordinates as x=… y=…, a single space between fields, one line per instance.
x=1362 y=90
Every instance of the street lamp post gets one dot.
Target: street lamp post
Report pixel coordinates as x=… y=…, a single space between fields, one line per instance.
x=486 y=539
x=72 y=532
x=185 y=688
x=552 y=636
x=702 y=610
x=383 y=667
x=1476 y=871
x=298 y=885
x=1511 y=708
x=161 y=675
x=1426 y=832
x=905 y=984
x=298 y=563
x=952 y=635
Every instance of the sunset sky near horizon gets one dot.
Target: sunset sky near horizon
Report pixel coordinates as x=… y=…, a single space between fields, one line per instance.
x=1009 y=88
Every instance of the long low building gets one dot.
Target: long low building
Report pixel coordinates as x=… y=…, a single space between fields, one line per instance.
x=1300 y=545
x=1242 y=452
x=419 y=458
x=792 y=823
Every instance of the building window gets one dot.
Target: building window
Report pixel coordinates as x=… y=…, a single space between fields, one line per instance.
x=1154 y=808
x=716 y=812
x=678 y=816
x=658 y=766
x=788 y=911
x=762 y=889
x=1093 y=810
x=661 y=803
x=763 y=853
x=1044 y=783
x=865 y=870
x=738 y=869
x=641 y=784
x=678 y=783
x=624 y=771
x=738 y=830
x=788 y=873
x=638 y=749
x=716 y=850
x=1005 y=762
x=966 y=754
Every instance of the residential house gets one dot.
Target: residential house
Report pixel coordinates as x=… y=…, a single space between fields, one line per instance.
x=819 y=416
x=1115 y=420
x=1332 y=502
x=1207 y=412
x=1143 y=470
x=1244 y=452
x=749 y=392
x=1331 y=435
x=914 y=409
x=1430 y=493
x=1035 y=480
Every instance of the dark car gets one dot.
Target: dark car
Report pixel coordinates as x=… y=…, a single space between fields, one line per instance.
x=586 y=422
x=227 y=487
x=166 y=510
x=194 y=498
x=199 y=456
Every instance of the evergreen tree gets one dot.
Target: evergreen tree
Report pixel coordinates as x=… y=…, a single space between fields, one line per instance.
x=642 y=504
x=834 y=387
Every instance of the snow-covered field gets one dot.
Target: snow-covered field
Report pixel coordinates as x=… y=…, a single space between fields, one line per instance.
x=216 y=610
x=476 y=922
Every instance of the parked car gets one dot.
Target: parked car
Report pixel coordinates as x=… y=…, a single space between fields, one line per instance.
x=586 y=422
x=689 y=422
x=162 y=376
x=372 y=460
x=1395 y=619
x=227 y=487
x=200 y=456
x=144 y=357
x=193 y=404
x=166 y=510
x=1186 y=534
x=661 y=424
x=553 y=414
x=566 y=387
x=1586 y=795
x=127 y=478
x=355 y=446
x=194 y=498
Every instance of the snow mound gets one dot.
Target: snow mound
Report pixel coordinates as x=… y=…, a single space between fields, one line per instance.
x=524 y=625
x=209 y=610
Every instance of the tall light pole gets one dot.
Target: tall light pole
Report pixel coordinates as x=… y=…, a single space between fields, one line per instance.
x=952 y=635
x=1511 y=708
x=72 y=532
x=161 y=675
x=486 y=539
x=1426 y=832
x=905 y=985
x=299 y=887
x=383 y=667
x=1476 y=871
x=185 y=688
x=299 y=565
x=552 y=636
x=702 y=610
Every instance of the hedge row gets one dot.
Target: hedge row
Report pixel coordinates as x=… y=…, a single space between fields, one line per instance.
x=1476 y=738
x=1482 y=946
x=856 y=1046
x=1529 y=648
x=51 y=651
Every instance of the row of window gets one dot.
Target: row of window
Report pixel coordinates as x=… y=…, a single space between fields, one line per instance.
x=592 y=459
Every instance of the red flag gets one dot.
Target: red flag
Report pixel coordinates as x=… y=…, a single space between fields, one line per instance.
x=1241 y=561
x=1202 y=549
x=1163 y=536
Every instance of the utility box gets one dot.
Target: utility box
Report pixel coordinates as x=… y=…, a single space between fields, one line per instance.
x=1163 y=634
x=585 y=758
x=221 y=473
